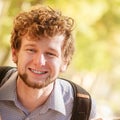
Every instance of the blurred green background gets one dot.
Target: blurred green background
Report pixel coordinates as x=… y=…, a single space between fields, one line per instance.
x=96 y=63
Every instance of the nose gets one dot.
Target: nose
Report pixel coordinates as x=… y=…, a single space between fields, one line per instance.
x=40 y=59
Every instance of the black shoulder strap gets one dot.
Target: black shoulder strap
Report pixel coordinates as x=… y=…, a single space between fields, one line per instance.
x=3 y=71
x=82 y=103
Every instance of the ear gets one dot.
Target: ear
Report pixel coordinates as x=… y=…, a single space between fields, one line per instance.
x=14 y=55
x=64 y=67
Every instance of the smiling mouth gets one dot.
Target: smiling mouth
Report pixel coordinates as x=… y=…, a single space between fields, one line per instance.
x=37 y=71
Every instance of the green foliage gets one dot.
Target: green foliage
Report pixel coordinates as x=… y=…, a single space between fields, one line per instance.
x=97 y=22
x=96 y=25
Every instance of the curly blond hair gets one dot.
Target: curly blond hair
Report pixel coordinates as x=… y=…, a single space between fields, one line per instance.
x=44 y=21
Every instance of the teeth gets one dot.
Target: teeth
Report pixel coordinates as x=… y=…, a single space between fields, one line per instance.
x=38 y=72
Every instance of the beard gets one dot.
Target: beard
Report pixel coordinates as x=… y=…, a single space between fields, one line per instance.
x=35 y=85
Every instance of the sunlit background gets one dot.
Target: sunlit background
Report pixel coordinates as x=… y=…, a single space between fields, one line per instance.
x=96 y=63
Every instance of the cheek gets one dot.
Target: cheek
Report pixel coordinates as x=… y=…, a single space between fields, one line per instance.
x=23 y=59
x=56 y=66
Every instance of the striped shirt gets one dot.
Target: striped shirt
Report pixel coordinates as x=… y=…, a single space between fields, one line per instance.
x=57 y=107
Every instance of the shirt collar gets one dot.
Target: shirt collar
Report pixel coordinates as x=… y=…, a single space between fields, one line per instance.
x=8 y=89
x=55 y=100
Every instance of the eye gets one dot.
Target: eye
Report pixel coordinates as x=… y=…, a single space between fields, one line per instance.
x=31 y=50
x=51 y=54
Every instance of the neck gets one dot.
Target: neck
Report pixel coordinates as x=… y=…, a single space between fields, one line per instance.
x=32 y=98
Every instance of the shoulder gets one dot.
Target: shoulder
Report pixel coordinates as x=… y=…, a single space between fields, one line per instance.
x=65 y=85
x=79 y=92
x=66 y=89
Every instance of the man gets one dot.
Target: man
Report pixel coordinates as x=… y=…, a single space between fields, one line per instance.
x=42 y=48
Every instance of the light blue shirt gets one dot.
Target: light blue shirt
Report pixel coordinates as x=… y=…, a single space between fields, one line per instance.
x=57 y=107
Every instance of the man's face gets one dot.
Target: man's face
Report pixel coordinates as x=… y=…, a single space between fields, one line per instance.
x=40 y=61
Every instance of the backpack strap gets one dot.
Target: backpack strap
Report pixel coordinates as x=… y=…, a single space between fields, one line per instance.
x=82 y=103
x=3 y=71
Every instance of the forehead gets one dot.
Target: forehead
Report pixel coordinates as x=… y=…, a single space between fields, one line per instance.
x=55 y=40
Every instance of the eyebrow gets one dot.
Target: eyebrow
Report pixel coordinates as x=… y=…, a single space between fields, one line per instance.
x=52 y=49
x=28 y=45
